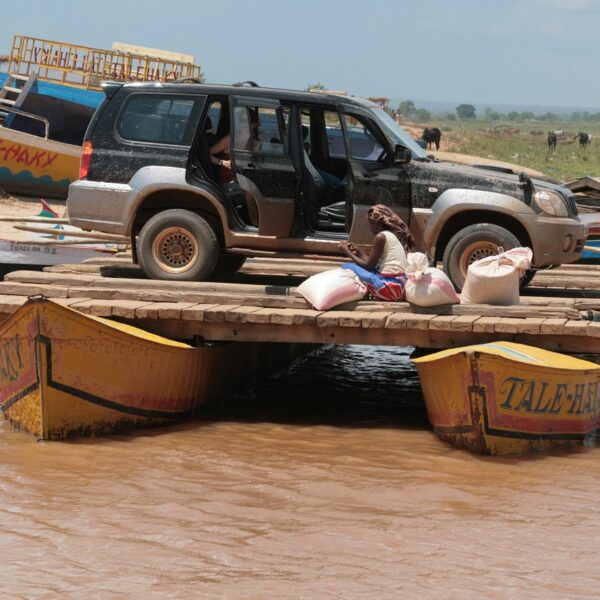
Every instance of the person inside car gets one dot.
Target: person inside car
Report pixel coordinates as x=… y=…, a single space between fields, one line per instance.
x=382 y=270
x=220 y=153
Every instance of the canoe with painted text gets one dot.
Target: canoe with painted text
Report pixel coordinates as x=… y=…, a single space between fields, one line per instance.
x=64 y=373
x=507 y=398
x=34 y=165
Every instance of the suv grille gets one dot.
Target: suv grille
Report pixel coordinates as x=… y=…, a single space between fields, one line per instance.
x=571 y=204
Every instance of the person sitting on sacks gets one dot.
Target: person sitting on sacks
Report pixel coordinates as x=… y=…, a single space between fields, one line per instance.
x=382 y=270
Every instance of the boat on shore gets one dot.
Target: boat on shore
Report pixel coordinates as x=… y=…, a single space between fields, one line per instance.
x=63 y=373
x=48 y=96
x=507 y=398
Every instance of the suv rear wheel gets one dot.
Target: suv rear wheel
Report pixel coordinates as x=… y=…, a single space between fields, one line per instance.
x=230 y=263
x=473 y=243
x=178 y=245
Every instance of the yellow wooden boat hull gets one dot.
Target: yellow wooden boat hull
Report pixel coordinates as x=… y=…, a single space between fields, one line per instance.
x=63 y=373
x=506 y=398
x=32 y=165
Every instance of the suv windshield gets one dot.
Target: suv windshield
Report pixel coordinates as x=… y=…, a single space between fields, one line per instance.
x=397 y=134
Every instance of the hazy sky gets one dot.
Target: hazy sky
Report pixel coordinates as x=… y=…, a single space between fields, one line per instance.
x=544 y=52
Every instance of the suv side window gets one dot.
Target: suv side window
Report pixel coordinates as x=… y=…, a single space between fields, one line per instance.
x=363 y=142
x=260 y=130
x=157 y=118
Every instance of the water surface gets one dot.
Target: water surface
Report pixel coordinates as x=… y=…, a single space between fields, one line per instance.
x=325 y=482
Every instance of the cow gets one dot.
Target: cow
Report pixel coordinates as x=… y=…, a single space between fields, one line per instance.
x=551 y=140
x=584 y=139
x=432 y=135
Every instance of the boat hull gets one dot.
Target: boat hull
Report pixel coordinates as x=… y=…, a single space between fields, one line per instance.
x=506 y=398
x=31 y=165
x=63 y=373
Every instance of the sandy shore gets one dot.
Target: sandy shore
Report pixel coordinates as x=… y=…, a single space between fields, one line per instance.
x=23 y=207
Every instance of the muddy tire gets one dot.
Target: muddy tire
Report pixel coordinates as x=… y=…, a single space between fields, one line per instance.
x=230 y=263
x=472 y=243
x=178 y=245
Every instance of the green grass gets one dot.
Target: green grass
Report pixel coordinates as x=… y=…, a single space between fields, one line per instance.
x=527 y=148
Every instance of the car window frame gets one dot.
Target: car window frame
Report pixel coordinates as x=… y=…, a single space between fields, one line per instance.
x=199 y=102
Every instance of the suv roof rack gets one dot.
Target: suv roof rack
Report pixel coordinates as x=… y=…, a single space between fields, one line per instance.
x=187 y=80
x=243 y=83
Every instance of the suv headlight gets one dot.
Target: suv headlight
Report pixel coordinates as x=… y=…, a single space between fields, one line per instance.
x=551 y=203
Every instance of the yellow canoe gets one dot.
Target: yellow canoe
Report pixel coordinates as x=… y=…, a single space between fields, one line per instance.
x=506 y=398
x=36 y=166
x=64 y=373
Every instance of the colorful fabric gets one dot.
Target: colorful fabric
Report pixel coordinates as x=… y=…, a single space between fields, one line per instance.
x=380 y=286
x=392 y=222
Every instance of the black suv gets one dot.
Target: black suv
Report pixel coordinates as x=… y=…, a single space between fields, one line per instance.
x=305 y=168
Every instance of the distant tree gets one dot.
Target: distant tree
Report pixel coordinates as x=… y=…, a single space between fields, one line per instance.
x=513 y=115
x=315 y=86
x=421 y=114
x=595 y=117
x=450 y=116
x=491 y=115
x=550 y=117
x=407 y=108
x=576 y=116
x=526 y=115
x=465 y=111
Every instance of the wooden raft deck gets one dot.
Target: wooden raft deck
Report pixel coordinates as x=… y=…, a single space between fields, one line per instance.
x=260 y=304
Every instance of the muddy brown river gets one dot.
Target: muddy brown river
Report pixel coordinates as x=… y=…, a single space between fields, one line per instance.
x=325 y=482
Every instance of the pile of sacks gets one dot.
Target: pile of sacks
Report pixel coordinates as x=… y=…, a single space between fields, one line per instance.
x=491 y=280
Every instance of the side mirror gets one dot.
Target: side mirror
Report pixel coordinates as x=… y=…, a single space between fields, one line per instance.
x=402 y=155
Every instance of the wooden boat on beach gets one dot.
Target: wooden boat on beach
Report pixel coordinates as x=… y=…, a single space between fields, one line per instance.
x=48 y=96
x=63 y=373
x=507 y=398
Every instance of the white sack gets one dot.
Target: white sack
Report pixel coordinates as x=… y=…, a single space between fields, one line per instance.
x=496 y=279
x=425 y=285
x=330 y=288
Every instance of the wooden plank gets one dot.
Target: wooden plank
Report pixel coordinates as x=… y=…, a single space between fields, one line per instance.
x=9 y=304
x=328 y=319
x=238 y=314
x=288 y=316
x=593 y=329
x=373 y=320
x=507 y=325
x=96 y=308
x=530 y=325
x=19 y=289
x=126 y=308
x=463 y=323
x=484 y=325
x=162 y=310
x=70 y=302
x=441 y=323
x=489 y=310
x=575 y=328
x=260 y=316
x=552 y=326
x=196 y=312
x=413 y=321
x=217 y=313
x=41 y=277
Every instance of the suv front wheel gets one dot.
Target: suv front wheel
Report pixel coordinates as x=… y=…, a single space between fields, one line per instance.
x=178 y=245
x=473 y=243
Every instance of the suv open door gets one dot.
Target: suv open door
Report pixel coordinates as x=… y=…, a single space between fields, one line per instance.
x=262 y=161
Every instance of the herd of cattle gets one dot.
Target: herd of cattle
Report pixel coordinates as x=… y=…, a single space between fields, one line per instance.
x=583 y=137
x=432 y=136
